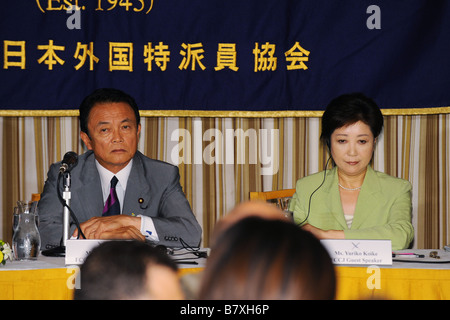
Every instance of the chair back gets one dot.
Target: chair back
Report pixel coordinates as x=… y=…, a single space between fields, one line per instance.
x=271 y=195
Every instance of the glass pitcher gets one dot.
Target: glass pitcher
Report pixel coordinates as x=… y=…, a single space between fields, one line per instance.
x=283 y=204
x=26 y=239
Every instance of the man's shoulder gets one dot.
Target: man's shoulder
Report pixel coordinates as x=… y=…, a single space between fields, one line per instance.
x=88 y=155
x=154 y=164
x=81 y=161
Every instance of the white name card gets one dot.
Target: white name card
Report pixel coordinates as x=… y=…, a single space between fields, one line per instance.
x=362 y=252
x=77 y=250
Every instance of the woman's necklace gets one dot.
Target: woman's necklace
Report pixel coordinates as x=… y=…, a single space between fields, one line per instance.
x=349 y=189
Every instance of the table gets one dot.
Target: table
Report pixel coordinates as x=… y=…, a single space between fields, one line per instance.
x=405 y=280
x=48 y=278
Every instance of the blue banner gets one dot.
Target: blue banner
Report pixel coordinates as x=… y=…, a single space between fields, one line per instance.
x=247 y=55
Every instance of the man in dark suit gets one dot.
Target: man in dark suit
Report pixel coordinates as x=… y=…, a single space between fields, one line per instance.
x=151 y=200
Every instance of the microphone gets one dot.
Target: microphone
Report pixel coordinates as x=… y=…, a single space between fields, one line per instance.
x=69 y=161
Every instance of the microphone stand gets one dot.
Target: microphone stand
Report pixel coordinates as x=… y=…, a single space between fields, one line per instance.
x=66 y=214
x=61 y=250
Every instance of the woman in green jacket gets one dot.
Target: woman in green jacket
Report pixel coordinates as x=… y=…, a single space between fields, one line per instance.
x=353 y=201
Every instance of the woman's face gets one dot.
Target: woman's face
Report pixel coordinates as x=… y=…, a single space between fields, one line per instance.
x=352 y=148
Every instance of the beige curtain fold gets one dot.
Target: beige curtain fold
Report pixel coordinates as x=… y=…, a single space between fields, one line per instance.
x=224 y=158
x=429 y=230
x=11 y=182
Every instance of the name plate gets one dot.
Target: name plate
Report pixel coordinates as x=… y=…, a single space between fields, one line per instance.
x=359 y=252
x=77 y=250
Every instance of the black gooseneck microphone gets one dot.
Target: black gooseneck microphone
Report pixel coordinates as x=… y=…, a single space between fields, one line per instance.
x=69 y=161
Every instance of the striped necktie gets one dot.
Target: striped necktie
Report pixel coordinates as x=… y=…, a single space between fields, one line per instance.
x=112 y=205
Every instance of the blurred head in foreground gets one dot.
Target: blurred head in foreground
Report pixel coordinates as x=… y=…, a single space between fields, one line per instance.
x=258 y=258
x=122 y=270
x=254 y=208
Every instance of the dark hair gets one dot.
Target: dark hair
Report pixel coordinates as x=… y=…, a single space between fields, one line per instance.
x=102 y=96
x=261 y=259
x=118 y=270
x=348 y=109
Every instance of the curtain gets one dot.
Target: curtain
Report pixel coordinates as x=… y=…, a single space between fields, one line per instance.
x=222 y=159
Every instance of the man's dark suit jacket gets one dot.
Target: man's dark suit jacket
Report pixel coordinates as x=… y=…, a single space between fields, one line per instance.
x=153 y=189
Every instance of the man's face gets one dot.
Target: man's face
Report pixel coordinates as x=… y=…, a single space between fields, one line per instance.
x=114 y=134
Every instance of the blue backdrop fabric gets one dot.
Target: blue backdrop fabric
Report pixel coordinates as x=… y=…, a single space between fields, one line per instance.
x=248 y=55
